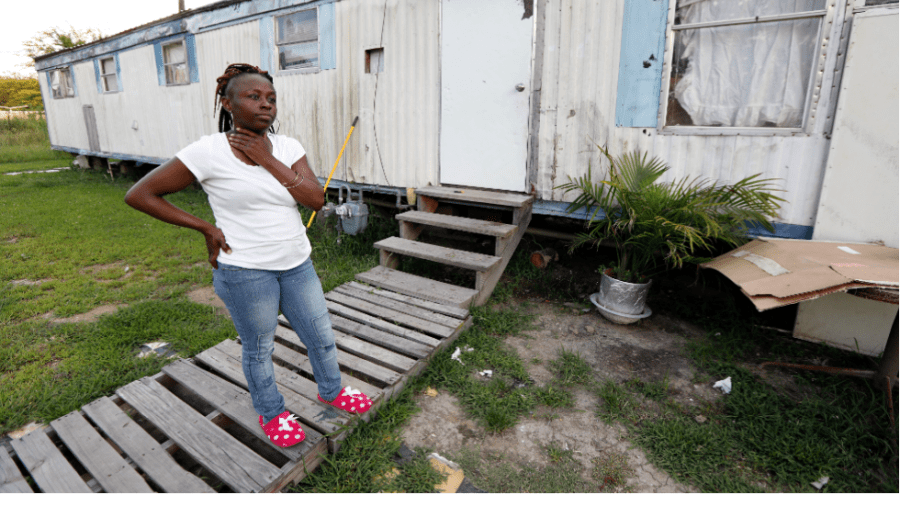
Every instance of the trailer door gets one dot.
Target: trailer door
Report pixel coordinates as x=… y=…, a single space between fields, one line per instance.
x=486 y=54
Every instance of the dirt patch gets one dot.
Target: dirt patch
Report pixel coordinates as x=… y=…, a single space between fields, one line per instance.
x=207 y=295
x=104 y=273
x=29 y=282
x=648 y=351
x=89 y=317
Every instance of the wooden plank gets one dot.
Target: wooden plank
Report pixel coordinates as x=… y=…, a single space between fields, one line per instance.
x=302 y=363
x=452 y=311
x=355 y=362
x=416 y=286
x=459 y=223
x=477 y=196
x=385 y=313
x=378 y=323
x=235 y=403
x=140 y=447
x=381 y=338
x=447 y=256
x=233 y=463
x=487 y=282
x=11 y=480
x=313 y=413
x=97 y=456
x=402 y=307
x=47 y=465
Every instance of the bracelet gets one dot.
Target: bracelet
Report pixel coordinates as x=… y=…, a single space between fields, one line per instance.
x=298 y=184
x=296 y=176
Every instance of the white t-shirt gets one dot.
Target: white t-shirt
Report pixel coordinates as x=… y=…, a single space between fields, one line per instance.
x=256 y=213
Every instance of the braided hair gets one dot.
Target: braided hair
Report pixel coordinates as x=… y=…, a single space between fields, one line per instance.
x=232 y=71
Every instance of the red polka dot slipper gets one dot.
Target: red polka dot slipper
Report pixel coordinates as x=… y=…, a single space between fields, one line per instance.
x=283 y=430
x=351 y=401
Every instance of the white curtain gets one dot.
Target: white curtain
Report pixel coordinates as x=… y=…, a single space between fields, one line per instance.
x=751 y=75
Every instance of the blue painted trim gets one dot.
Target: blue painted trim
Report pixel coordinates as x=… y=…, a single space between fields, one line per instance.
x=104 y=154
x=222 y=18
x=202 y=19
x=193 y=68
x=266 y=43
x=641 y=63
x=119 y=73
x=554 y=208
x=74 y=81
x=97 y=75
x=782 y=231
x=327 y=49
x=160 y=70
x=114 y=44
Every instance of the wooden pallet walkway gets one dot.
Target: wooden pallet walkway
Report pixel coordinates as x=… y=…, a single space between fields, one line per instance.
x=192 y=427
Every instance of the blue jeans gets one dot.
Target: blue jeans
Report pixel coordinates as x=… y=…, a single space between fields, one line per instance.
x=253 y=298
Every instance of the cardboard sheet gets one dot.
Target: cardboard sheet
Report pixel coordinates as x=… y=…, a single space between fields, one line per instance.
x=780 y=272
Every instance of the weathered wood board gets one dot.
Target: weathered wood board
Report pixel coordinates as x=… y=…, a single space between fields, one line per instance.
x=11 y=480
x=97 y=456
x=192 y=428
x=415 y=286
x=47 y=465
x=141 y=448
x=234 y=464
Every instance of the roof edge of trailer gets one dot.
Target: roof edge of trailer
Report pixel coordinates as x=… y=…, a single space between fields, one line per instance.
x=164 y=27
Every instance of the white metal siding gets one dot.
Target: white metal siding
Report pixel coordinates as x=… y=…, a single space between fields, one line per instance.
x=578 y=94
x=318 y=108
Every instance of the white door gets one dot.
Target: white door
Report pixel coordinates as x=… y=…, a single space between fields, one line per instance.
x=485 y=87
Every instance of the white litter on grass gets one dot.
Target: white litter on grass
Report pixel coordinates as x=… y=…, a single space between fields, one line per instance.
x=157 y=348
x=724 y=385
x=821 y=483
x=458 y=352
x=487 y=373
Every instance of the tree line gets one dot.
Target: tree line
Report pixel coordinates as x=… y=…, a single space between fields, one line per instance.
x=18 y=89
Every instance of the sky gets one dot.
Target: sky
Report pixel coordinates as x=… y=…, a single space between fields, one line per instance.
x=23 y=20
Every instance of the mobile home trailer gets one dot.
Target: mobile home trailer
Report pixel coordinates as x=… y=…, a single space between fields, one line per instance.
x=510 y=95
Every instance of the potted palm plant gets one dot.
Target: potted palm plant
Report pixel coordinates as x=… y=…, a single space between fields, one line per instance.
x=656 y=226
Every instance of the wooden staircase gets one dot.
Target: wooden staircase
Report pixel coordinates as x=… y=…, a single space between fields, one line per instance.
x=487 y=267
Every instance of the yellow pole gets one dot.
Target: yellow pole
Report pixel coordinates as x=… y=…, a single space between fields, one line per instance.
x=335 y=165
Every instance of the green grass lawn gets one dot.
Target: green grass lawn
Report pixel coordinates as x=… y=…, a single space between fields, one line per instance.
x=24 y=145
x=68 y=244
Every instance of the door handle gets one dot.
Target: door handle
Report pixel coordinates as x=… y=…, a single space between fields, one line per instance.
x=520 y=87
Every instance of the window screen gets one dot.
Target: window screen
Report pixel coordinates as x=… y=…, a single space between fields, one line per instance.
x=61 y=83
x=108 y=75
x=297 y=38
x=743 y=63
x=175 y=63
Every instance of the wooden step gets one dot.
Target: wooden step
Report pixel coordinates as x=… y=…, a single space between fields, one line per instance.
x=477 y=196
x=440 y=254
x=416 y=286
x=458 y=223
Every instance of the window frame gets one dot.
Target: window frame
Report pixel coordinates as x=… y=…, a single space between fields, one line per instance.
x=276 y=64
x=70 y=82
x=814 y=84
x=114 y=72
x=187 y=60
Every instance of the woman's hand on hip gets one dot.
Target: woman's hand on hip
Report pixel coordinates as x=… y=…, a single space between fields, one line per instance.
x=252 y=145
x=215 y=241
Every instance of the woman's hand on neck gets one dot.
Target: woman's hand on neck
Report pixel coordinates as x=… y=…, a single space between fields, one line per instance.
x=252 y=148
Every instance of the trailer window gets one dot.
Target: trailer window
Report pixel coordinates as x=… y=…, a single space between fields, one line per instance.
x=61 y=83
x=297 y=38
x=743 y=63
x=175 y=63
x=108 y=75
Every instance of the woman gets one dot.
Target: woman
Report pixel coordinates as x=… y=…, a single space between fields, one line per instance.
x=258 y=248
